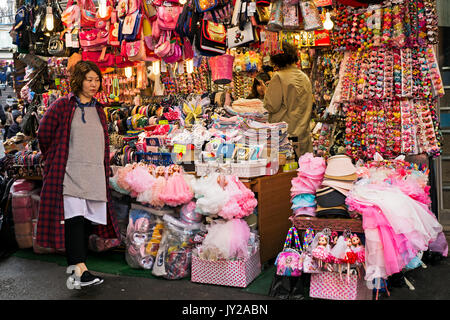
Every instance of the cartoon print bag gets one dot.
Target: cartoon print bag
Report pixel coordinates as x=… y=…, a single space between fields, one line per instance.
x=289 y=261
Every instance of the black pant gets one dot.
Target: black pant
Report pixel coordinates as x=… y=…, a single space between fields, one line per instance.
x=77 y=231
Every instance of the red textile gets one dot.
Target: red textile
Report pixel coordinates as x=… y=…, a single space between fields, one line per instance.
x=54 y=136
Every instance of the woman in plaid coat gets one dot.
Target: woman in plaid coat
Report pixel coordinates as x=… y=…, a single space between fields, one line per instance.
x=75 y=197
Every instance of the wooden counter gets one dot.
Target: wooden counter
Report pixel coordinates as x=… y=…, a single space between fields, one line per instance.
x=274 y=209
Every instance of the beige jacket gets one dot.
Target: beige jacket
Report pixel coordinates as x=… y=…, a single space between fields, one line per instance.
x=289 y=98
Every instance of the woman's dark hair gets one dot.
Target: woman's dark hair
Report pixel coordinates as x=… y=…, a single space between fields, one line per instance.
x=79 y=75
x=288 y=56
x=262 y=77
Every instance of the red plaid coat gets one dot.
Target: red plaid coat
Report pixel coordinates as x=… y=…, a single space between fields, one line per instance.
x=54 y=136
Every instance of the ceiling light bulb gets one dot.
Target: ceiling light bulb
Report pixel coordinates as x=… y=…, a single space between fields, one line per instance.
x=128 y=72
x=190 y=66
x=156 y=67
x=102 y=10
x=328 y=24
x=49 y=22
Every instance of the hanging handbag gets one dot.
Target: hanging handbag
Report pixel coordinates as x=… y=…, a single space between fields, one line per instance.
x=205 y=5
x=135 y=50
x=291 y=19
x=237 y=37
x=276 y=16
x=212 y=38
x=311 y=16
x=101 y=58
x=122 y=9
x=113 y=36
x=71 y=15
x=88 y=13
x=131 y=27
x=289 y=262
x=163 y=47
x=57 y=47
x=94 y=39
x=167 y=16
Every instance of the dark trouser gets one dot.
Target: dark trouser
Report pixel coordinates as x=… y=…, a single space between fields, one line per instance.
x=77 y=231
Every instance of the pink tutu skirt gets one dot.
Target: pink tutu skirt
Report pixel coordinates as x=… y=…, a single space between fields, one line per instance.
x=176 y=191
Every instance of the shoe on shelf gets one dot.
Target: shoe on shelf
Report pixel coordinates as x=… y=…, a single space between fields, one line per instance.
x=88 y=279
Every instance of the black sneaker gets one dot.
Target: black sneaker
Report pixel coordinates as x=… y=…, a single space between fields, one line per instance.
x=88 y=279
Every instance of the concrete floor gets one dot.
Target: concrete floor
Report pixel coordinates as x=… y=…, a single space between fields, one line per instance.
x=23 y=279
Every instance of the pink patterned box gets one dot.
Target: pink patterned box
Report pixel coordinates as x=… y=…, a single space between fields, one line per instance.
x=328 y=285
x=239 y=273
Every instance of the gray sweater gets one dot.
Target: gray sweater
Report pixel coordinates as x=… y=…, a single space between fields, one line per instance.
x=85 y=169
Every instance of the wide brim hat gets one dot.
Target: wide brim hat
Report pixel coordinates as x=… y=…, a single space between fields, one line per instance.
x=306 y=211
x=333 y=212
x=343 y=187
x=340 y=167
x=329 y=197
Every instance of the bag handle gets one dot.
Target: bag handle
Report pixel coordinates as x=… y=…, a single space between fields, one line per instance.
x=309 y=234
x=287 y=243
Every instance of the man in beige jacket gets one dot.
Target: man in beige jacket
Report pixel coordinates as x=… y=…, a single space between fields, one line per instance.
x=289 y=98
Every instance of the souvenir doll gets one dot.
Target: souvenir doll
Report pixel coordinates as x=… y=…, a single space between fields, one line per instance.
x=359 y=249
x=176 y=191
x=322 y=250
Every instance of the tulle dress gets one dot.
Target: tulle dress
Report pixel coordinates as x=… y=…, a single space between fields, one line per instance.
x=396 y=227
x=157 y=190
x=139 y=180
x=176 y=191
x=241 y=201
x=211 y=197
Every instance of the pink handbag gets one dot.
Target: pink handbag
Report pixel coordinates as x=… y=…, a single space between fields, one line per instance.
x=177 y=53
x=188 y=51
x=163 y=47
x=71 y=14
x=94 y=38
x=167 y=17
x=102 y=59
x=88 y=13
x=135 y=50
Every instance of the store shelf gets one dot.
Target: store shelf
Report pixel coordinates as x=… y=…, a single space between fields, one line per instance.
x=354 y=225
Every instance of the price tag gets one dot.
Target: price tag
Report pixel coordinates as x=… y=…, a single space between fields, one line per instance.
x=179 y=148
x=163 y=122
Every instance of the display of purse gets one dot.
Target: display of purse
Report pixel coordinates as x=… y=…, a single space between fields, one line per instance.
x=71 y=15
x=291 y=18
x=94 y=39
x=212 y=38
x=131 y=28
x=57 y=47
x=276 y=16
x=135 y=50
x=88 y=13
x=311 y=16
x=113 y=37
x=101 y=58
x=237 y=37
x=163 y=47
x=289 y=262
x=205 y=5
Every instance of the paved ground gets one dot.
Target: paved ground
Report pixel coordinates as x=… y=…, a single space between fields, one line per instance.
x=23 y=279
